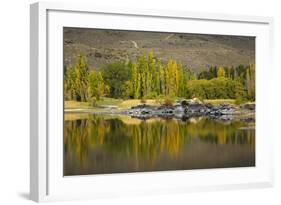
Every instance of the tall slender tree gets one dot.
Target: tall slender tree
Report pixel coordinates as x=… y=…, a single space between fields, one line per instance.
x=221 y=72
x=81 y=81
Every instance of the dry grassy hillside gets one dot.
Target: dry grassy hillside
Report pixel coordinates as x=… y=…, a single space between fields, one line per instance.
x=196 y=51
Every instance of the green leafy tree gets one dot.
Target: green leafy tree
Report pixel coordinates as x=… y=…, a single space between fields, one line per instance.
x=96 y=88
x=70 y=88
x=81 y=81
x=116 y=75
x=182 y=90
x=250 y=82
x=205 y=75
x=76 y=80
x=217 y=88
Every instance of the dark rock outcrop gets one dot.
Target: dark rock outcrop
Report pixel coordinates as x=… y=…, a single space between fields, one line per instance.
x=183 y=110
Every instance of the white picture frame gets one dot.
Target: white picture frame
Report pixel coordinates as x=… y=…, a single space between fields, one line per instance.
x=46 y=179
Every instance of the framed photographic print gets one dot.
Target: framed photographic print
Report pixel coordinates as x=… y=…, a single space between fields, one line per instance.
x=129 y=101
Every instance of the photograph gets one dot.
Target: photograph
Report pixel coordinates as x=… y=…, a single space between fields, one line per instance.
x=147 y=101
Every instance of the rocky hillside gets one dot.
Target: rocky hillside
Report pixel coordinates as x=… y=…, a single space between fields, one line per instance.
x=196 y=51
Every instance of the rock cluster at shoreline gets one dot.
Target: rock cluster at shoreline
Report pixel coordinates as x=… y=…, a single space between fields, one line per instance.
x=185 y=110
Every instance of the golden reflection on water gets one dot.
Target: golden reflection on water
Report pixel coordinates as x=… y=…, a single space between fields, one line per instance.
x=108 y=144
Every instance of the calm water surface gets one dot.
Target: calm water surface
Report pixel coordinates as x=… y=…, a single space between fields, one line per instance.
x=97 y=144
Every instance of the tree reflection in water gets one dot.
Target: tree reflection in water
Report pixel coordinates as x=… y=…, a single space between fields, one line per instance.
x=110 y=144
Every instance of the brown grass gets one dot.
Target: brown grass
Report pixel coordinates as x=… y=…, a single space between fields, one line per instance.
x=76 y=104
x=129 y=103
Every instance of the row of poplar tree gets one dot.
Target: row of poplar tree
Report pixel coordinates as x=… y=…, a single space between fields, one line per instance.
x=148 y=77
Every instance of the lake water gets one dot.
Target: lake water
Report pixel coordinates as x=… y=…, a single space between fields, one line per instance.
x=101 y=144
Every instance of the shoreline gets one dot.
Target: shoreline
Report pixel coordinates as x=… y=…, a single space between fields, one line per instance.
x=184 y=110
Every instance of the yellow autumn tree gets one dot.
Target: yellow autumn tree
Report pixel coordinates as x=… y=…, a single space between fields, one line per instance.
x=221 y=72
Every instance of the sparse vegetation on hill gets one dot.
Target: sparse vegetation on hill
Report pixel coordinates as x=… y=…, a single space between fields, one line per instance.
x=198 y=52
